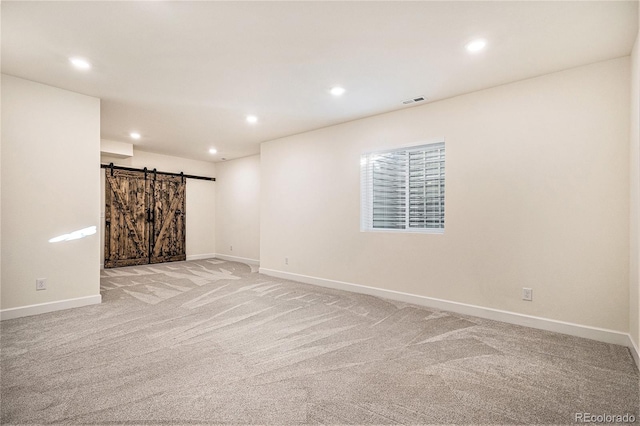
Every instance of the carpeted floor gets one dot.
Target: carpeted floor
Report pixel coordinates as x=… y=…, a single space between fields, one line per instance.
x=213 y=342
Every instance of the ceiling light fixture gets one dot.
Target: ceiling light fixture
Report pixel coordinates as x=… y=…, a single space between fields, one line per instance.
x=476 y=45
x=134 y=135
x=337 y=91
x=81 y=64
x=252 y=119
x=212 y=150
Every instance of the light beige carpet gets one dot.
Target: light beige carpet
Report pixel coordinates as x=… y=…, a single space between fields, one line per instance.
x=211 y=342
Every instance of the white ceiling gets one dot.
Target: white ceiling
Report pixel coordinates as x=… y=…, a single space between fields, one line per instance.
x=185 y=74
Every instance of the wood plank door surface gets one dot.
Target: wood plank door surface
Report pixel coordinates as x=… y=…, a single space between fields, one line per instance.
x=144 y=218
x=168 y=235
x=126 y=226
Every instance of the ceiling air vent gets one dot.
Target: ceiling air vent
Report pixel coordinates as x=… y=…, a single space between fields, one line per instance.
x=414 y=100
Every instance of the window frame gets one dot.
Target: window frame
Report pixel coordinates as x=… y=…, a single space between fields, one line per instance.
x=366 y=189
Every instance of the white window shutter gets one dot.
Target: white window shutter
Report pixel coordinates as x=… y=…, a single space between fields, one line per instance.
x=403 y=189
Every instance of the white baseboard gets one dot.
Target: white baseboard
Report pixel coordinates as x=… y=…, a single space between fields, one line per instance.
x=588 y=332
x=635 y=352
x=43 y=308
x=238 y=259
x=201 y=256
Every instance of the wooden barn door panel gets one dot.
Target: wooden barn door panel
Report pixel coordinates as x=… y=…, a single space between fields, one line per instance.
x=126 y=226
x=144 y=218
x=168 y=236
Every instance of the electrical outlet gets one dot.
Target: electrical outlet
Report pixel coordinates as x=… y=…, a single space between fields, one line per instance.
x=230 y=248
x=286 y=260
x=41 y=283
x=527 y=293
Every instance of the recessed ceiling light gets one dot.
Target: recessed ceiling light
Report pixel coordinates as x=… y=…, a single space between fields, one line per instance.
x=252 y=119
x=476 y=45
x=81 y=64
x=212 y=150
x=134 y=135
x=337 y=91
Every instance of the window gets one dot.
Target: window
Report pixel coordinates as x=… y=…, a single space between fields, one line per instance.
x=403 y=189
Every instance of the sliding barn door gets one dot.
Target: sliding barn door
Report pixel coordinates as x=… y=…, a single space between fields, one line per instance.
x=144 y=218
x=168 y=236
x=126 y=234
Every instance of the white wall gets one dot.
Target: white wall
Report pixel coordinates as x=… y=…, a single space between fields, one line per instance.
x=634 y=271
x=537 y=196
x=200 y=198
x=50 y=186
x=238 y=209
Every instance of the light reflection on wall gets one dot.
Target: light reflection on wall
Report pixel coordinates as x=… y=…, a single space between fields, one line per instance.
x=80 y=233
